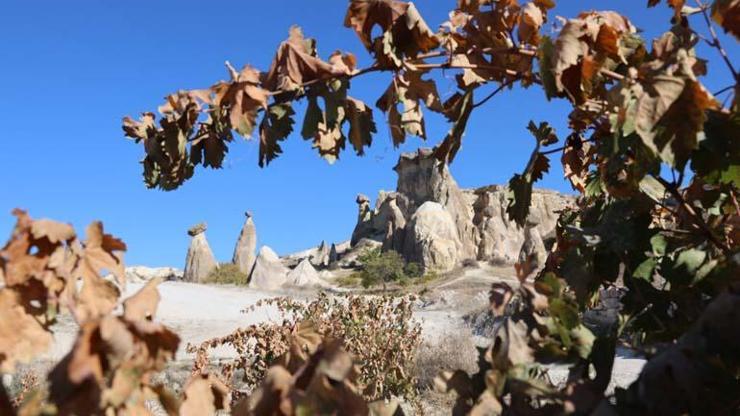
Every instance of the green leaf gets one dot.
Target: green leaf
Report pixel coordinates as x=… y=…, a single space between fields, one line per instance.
x=645 y=269
x=276 y=125
x=545 y=55
x=659 y=243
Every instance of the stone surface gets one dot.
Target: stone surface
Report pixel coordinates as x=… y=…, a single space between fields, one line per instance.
x=320 y=258
x=268 y=272
x=432 y=238
x=533 y=248
x=349 y=257
x=245 y=246
x=479 y=215
x=304 y=275
x=200 y=260
x=142 y=274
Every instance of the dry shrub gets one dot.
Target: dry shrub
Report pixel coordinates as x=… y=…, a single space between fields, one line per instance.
x=378 y=332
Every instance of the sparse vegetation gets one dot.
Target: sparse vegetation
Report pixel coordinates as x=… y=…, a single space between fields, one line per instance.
x=383 y=267
x=379 y=332
x=227 y=274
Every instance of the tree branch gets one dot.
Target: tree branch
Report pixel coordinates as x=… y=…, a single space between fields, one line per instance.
x=696 y=218
x=715 y=39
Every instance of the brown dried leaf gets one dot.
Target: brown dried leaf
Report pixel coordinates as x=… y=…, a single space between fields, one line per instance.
x=21 y=336
x=296 y=63
x=727 y=14
x=531 y=20
x=104 y=252
x=143 y=305
x=204 y=395
x=361 y=124
x=404 y=31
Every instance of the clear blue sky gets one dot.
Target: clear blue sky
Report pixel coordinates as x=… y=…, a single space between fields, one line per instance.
x=71 y=69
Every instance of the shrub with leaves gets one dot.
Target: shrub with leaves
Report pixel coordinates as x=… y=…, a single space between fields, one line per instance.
x=227 y=274
x=383 y=267
x=378 y=332
x=653 y=154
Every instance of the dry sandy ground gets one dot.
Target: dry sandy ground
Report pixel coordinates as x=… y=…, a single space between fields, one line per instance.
x=200 y=312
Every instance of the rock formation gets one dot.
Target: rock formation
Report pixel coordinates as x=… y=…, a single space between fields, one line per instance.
x=245 y=246
x=533 y=248
x=479 y=217
x=268 y=272
x=200 y=260
x=333 y=254
x=304 y=275
x=432 y=238
x=142 y=274
x=321 y=257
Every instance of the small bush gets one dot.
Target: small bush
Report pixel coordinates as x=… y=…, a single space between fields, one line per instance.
x=379 y=332
x=227 y=274
x=380 y=267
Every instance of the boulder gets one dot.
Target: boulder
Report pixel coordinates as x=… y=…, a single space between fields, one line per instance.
x=245 y=246
x=349 y=258
x=304 y=275
x=432 y=238
x=142 y=274
x=268 y=272
x=200 y=260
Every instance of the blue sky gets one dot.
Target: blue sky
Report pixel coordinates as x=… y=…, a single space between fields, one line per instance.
x=71 y=69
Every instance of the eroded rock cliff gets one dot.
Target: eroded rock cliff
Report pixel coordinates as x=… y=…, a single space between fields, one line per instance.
x=472 y=223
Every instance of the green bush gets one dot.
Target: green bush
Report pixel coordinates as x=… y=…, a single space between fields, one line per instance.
x=227 y=274
x=383 y=267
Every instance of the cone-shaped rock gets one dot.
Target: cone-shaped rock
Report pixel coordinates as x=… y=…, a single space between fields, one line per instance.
x=268 y=272
x=245 y=246
x=200 y=260
x=304 y=275
x=321 y=257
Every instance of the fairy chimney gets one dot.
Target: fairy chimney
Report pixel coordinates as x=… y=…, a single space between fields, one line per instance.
x=245 y=246
x=200 y=260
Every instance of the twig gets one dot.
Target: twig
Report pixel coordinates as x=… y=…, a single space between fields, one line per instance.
x=697 y=219
x=724 y=90
x=715 y=39
x=561 y=148
x=496 y=91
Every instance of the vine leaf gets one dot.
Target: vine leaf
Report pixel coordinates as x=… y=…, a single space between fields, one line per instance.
x=404 y=31
x=727 y=14
x=519 y=194
x=296 y=63
x=458 y=109
x=408 y=89
x=277 y=124
x=361 y=124
x=669 y=115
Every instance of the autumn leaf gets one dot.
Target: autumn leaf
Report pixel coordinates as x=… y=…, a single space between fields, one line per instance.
x=142 y=305
x=22 y=337
x=531 y=20
x=727 y=14
x=204 y=395
x=409 y=90
x=361 y=124
x=459 y=109
x=277 y=124
x=670 y=114
x=296 y=63
x=404 y=31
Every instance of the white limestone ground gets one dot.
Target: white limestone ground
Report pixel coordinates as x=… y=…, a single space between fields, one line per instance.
x=199 y=312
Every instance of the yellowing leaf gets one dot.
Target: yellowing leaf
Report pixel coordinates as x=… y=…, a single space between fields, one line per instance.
x=143 y=305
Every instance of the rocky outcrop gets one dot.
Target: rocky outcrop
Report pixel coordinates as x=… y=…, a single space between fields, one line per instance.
x=200 y=260
x=533 y=248
x=245 y=246
x=432 y=238
x=304 y=275
x=320 y=258
x=479 y=216
x=268 y=272
x=142 y=274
